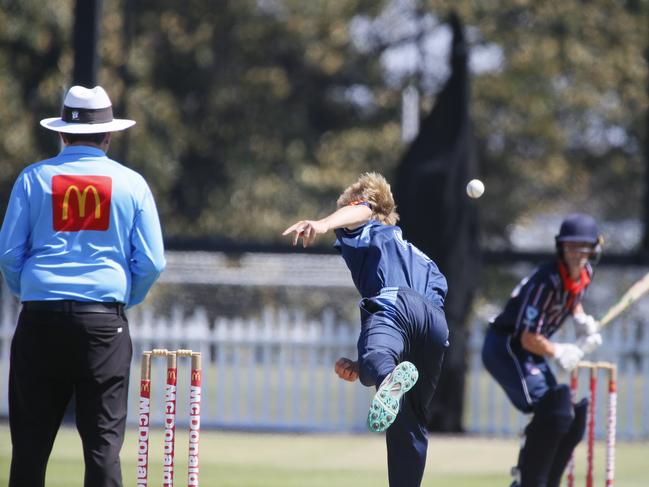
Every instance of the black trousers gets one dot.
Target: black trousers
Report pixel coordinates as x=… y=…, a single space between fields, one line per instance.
x=54 y=354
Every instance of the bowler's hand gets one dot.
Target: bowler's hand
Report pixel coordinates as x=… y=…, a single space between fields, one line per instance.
x=307 y=230
x=347 y=369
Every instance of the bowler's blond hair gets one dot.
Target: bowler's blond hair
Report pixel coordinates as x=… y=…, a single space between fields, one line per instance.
x=372 y=188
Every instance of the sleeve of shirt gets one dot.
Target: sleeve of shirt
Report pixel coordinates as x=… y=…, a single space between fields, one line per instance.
x=535 y=301
x=356 y=238
x=14 y=236
x=147 y=250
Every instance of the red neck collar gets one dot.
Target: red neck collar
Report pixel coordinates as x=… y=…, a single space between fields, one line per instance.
x=572 y=287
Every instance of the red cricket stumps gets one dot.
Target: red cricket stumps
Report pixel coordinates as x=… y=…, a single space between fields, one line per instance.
x=591 y=427
x=611 y=427
x=170 y=396
x=169 y=421
x=194 y=420
x=594 y=368
x=143 y=422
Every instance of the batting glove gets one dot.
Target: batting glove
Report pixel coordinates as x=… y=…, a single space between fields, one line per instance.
x=585 y=325
x=589 y=343
x=567 y=355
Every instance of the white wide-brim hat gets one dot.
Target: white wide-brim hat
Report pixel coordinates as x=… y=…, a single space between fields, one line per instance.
x=86 y=111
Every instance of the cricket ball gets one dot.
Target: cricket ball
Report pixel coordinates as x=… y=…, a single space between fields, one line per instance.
x=475 y=188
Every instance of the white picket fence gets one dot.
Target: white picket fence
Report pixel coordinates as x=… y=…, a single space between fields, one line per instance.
x=276 y=373
x=272 y=373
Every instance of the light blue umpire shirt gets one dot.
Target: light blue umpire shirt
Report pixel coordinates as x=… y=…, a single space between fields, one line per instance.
x=81 y=226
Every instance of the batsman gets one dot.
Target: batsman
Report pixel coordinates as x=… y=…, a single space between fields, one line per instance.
x=518 y=345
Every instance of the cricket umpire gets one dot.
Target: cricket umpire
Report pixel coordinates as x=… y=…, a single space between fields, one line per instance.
x=80 y=242
x=518 y=344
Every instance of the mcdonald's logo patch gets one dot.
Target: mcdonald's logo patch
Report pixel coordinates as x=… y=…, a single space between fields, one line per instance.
x=81 y=202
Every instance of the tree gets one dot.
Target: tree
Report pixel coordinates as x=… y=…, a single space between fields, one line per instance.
x=561 y=120
x=438 y=217
x=32 y=52
x=239 y=104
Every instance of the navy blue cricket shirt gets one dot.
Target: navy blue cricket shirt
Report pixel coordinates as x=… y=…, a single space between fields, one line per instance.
x=539 y=304
x=378 y=257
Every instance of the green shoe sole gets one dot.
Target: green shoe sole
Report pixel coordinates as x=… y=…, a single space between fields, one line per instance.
x=385 y=404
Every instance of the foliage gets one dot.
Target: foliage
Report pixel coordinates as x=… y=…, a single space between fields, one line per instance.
x=563 y=121
x=252 y=113
x=245 y=104
x=34 y=60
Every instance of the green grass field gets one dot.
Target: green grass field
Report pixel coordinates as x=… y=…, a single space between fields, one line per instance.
x=272 y=460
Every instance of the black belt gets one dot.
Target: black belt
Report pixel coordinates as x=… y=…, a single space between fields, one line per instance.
x=68 y=306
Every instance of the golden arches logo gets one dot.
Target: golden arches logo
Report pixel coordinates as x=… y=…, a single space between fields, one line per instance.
x=81 y=200
x=145 y=386
x=171 y=375
x=196 y=375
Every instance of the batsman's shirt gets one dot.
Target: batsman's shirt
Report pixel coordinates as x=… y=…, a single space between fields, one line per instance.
x=540 y=303
x=81 y=226
x=379 y=259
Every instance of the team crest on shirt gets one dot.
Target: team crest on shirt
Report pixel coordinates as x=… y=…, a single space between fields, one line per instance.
x=81 y=202
x=531 y=313
x=532 y=369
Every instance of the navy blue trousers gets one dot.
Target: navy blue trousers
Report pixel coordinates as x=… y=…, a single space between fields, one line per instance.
x=556 y=426
x=524 y=377
x=401 y=325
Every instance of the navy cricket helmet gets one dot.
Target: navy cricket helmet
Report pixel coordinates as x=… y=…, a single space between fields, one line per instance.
x=580 y=227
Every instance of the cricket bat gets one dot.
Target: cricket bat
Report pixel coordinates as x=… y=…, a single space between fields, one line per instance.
x=635 y=292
